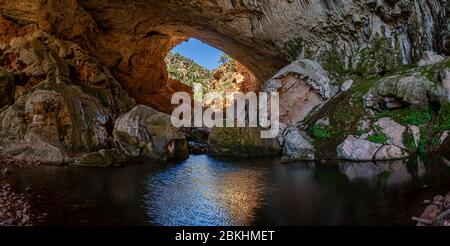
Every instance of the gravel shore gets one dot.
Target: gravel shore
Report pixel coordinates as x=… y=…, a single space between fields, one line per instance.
x=14 y=208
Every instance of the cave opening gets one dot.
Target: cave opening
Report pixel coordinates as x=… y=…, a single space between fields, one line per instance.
x=202 y=67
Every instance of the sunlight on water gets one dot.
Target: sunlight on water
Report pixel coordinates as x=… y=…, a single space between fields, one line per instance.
x=203 y=191
x=209 y=191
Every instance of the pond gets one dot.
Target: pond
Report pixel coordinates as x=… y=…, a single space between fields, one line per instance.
x=214 y=191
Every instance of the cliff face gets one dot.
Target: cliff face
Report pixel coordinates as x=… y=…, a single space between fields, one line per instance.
x=233 y=77
x=61 y=56
x=131 y=38
x=187 y=71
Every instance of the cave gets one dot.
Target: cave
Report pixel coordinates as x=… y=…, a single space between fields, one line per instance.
x=132 y=38
x=364 y=95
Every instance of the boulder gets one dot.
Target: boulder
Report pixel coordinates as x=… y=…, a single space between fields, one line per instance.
x=430 y=58
x=415 y=90
x=241 y=141
x=67 y=115
x=37 y=150
x=444 y=76
x=325 y=121
x=296 y=145
x=357 y=149
x=63 y=114
x=444 y=141
x=198 y=135
x=102 y=158
x=361 y=149
x=303 y=86
x=146 y=133
x=392 y=130
x=431 y=212
x=12 y=122
x=6 y=88
x=347 y=85
x=363 y=125
x=390 y=152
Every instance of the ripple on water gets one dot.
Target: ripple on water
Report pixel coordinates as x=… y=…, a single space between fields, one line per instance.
x=203 y=191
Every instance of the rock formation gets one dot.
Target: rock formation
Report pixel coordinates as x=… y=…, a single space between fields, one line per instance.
x=60 y=103
x=131 y=38
x=235 y=141
x=233 y=77
x=296 y=145
x=302 y=86
x=145 y=133
x=68 y=66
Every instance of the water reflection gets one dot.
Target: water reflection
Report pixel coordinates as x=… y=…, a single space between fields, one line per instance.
x=204 y=191
x=209 y=191
x=392 y=173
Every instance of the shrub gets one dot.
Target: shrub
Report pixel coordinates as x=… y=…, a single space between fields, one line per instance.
x=422 y=148
x=322 y=132
x=379 y=138
x=409 y=141
x=418 y=118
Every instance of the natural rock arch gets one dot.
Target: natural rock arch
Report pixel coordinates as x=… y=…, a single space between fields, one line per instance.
x=132 y=37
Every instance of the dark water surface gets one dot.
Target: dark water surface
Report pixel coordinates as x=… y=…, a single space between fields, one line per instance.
x=209 y=191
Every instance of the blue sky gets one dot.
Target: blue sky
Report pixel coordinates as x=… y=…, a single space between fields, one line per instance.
x=200 y=52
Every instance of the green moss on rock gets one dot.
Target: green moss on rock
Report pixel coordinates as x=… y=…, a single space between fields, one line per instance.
x=408 y=116
x=241 y=141
x=379 y=57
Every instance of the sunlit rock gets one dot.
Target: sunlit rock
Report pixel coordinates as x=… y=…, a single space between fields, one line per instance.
x=303 y=86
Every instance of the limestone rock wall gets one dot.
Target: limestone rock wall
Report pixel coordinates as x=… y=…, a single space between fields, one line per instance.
x=132 y=37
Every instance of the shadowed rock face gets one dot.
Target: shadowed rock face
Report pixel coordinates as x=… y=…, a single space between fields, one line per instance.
x=132 y=37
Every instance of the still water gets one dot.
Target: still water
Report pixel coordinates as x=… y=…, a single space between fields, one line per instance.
x=207 y=191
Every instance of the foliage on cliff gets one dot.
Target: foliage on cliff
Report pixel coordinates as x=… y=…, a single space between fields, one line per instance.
x=224 y=76
x=187 y=71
